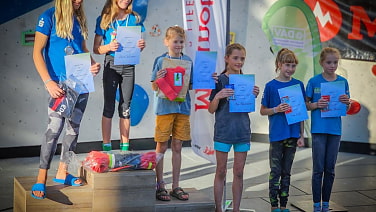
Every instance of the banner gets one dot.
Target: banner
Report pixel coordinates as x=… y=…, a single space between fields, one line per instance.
x=348 y=25
x=205 y=26
x=291 y=24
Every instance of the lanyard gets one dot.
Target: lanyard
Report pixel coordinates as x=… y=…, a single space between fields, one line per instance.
x=113 y=34
x=118 y=24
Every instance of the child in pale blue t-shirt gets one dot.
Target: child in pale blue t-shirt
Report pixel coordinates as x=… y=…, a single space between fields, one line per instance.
x=326 y=132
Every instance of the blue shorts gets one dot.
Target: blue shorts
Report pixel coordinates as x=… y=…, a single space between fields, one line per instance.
x=223 y=147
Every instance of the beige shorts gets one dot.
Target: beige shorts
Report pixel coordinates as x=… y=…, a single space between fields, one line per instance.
x=174 y=124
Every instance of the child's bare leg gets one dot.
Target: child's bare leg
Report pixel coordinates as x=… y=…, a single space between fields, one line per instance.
x=219 y=179
x=176 y=146
x=237 y=185
x=124 y=133
x=160 y=149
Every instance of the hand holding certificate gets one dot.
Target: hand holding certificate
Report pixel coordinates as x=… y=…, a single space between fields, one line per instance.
x=293 y=96
x=78 y=68
x=331 y=91
x=204 y=67
x=244 y=99
x=128 y=52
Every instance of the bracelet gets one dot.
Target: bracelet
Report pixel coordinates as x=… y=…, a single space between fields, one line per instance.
x=274 y=110
x=47 y=81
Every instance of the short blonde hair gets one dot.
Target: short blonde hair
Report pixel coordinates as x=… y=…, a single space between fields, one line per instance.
x=175 y=30
x=328 y=50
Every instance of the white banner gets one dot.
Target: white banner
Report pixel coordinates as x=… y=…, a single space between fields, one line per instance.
x=205 y=26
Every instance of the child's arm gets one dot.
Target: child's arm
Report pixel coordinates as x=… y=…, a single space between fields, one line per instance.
x=256 y=91
x=224 y=93
x=281 y=108
x=160 y=74
x=321 y=103
x=345 y=100
x=52 y=87
x=103 y=49
x=95 y=67
x=300 y=141
x=141 y=44
x=265 y=111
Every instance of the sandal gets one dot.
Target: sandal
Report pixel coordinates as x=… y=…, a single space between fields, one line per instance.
x=69 y=180
x=38 y=187
x=179 y=193
x=162 y=194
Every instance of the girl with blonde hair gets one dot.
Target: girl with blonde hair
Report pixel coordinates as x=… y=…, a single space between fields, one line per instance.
x=60 y=31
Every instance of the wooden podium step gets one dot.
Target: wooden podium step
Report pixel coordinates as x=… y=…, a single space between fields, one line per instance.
x=105 y=192
x=198 y=202
x=122 y=191
x=59 y=197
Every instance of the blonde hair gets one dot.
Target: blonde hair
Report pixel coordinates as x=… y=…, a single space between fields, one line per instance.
x=229 y=49
x=174 y=30
x=285 y=56
x=111 y=10
x=64 y=12
x=328 y=50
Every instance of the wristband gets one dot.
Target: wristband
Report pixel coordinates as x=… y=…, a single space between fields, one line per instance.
x=274 y=111
x=47 y=81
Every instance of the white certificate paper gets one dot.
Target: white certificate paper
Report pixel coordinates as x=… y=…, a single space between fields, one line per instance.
x=293 y=96
x=331 y=91
x=244 y=100
x=77 y=67
x=128 y=52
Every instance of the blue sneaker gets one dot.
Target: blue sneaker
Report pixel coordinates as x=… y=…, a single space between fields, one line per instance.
x=276 y=210
x=325 y=207
x=317 y=207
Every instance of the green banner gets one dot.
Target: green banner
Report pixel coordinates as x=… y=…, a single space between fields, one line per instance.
x=291 y=24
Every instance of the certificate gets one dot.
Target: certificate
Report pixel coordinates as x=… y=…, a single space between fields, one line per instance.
x=293 y=96
x=243 y=100
x=204 y=67
x=331 y=91
x=77 y=68
x=128 y=52
x=173 y=63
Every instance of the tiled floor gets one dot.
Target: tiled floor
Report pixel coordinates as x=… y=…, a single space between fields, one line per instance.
x=354 y=187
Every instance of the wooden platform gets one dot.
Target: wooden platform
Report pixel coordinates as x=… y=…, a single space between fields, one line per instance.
x=113 y=191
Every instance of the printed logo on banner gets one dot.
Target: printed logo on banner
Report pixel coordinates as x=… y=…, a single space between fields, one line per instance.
x=328 y=16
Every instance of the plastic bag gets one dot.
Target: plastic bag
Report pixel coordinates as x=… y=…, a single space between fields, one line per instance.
x=102 y=162
x=65 y=104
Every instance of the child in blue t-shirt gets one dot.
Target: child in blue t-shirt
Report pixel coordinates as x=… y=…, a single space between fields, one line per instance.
x=326 y=132
x=172 y=117
x=283 y=137
x=55 y=37
x=116 y=14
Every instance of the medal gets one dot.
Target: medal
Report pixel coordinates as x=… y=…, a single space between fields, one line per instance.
x=69 y=50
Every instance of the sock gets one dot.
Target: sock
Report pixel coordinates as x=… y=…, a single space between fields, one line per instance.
x=124 y=146
x=106 y=146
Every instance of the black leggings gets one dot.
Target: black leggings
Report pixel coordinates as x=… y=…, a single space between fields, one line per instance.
x=117 y=76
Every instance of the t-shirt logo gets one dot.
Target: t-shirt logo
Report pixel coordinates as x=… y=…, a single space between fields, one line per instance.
x=41 y=23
